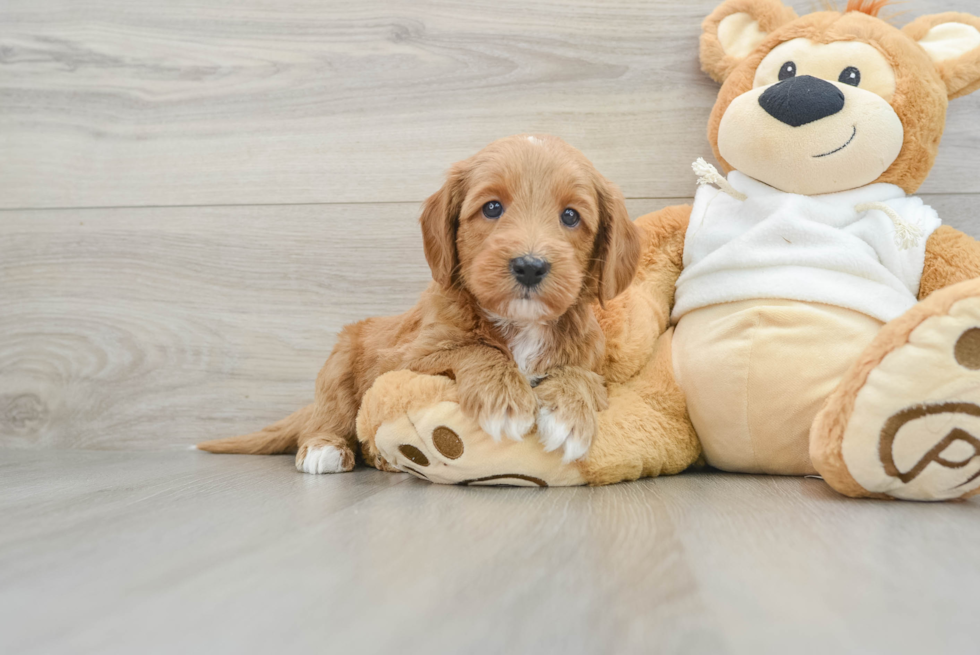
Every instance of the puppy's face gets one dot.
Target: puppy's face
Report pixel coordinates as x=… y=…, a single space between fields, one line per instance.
x=529 y=227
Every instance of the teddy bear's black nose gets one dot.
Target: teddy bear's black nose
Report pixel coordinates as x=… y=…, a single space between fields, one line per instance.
x=800 y=100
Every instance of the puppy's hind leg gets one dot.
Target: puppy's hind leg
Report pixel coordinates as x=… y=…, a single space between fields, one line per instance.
x=328 y=442
x=324 y=453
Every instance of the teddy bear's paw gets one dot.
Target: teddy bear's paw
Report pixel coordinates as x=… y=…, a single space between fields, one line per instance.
x=440 y=443
x=432 y=448
x=914 y=432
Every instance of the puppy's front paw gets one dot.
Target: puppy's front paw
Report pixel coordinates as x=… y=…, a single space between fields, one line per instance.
x=556 y=430
x=567 y=415
x=512 y=423
x=504 y=406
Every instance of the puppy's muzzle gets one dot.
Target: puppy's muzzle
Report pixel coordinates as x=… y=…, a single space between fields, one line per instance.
x=801 y=100
x=529 y=271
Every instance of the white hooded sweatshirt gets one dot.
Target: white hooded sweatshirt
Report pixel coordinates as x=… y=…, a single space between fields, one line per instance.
x=808 y=248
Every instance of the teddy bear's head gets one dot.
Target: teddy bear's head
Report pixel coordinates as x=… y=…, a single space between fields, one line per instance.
x=833 y=101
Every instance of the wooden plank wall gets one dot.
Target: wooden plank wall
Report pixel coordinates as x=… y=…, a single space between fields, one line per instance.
x=194 y=197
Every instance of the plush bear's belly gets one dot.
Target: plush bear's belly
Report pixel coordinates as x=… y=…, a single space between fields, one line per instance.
x=756 y=372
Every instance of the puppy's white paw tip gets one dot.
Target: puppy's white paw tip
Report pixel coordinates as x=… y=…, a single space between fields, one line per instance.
x=325 y=459
x=514 y=429
x=551 y=431
x=574 y=451
x=493 y=427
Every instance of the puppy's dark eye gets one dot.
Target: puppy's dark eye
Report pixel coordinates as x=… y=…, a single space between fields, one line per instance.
x=570 y=217
x=493 y=209
x=850 y=75
x=787 y=71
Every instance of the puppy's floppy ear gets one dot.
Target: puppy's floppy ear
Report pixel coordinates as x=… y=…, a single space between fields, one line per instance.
x=952 y=41
x=735 y=29
x=440 y=223
x=616 y=252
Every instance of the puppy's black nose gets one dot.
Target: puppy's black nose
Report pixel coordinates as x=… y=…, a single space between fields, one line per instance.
x=800 y=100
x=529 y=270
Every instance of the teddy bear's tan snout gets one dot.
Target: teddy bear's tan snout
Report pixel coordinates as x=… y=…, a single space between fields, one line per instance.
x=810 y=136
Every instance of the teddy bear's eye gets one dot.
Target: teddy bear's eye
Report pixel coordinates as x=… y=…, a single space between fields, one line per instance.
x=787 y=71
x=850 y=75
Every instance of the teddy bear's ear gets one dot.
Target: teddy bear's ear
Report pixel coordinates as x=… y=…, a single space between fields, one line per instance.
x=952 y=41
x=735 y=29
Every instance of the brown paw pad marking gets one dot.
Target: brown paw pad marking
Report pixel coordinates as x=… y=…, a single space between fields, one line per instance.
x=447 y=442
x=896 y=422
x=413 y=454
x=450 y=446
x=967 y=349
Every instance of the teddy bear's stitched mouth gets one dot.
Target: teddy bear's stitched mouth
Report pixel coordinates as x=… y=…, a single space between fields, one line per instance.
x=853 y=134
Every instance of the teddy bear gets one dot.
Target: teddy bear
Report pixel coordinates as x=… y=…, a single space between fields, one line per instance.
x=807 y=315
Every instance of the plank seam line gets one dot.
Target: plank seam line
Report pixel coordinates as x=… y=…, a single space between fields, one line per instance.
x=270 y=204
x=338 y=204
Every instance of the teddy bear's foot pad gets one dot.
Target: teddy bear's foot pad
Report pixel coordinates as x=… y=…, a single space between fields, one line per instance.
x=413 y=423
x=914 y=432
x=441 y=444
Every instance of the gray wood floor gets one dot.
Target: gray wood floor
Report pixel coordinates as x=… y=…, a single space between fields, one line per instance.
x=115 y=552
x=195 y=196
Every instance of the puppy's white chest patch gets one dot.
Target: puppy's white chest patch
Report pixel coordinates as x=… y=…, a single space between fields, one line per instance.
x=527 y=347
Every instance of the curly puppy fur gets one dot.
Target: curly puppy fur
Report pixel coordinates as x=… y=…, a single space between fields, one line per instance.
x=518 y=353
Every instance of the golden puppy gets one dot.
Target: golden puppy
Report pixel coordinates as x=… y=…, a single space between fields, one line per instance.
x=522 y=238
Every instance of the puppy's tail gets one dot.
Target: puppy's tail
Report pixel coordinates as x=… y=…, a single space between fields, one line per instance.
x=280 y=437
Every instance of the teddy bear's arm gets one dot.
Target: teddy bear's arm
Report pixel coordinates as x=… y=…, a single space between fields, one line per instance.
x=951 y=257
x=646 y=430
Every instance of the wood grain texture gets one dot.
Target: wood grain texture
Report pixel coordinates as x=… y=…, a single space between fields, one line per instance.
x=116 y=103
x=253 y=171
x=195 y=553
x=159 y=328
x=137 y=327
